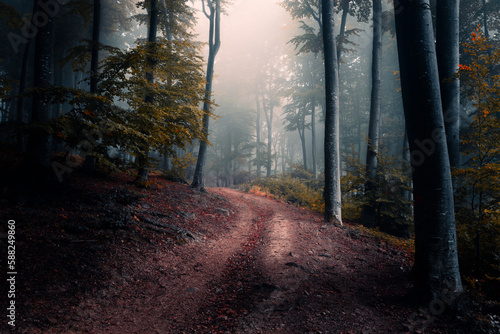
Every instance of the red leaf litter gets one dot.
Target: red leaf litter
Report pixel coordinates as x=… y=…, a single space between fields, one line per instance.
x=97 y=255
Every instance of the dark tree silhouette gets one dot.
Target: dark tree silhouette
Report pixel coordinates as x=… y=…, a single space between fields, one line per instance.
x=448 y=54
x=214 y=46
x=436 y=261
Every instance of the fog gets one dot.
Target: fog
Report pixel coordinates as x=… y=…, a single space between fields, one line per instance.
x=255 y=37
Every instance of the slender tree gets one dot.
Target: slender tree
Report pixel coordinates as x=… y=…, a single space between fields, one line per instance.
x=142 y=174
x=345 y=10
x=22 y=84
x=257 y=129
x=485 y=20
x=269 y=113
x=332 y=197
x=94 y=63
x=374 y=124
x=214 y=46
x=39 y=141
x=448 y=54
x=94 y=60
x=436 y=261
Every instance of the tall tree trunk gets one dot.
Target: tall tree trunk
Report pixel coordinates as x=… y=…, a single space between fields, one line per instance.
x=447 y=48
x=313 y=137
x=436 y=261
x=20 y=113
x=90 y=160
x=345 y=11
x=269 y=139
x=257 y=128
x=94 y=61
x=369 y=214
x=269 y=113
x=302 y=134
x=313 y=120
x=142 y=173
x=485 y=21
x=214 y=45
x=39 y=141
x=405 y=163
x=333 y=212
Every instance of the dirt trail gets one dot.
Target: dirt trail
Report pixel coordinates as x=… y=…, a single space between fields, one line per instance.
x=276 y=269
x=315 y=279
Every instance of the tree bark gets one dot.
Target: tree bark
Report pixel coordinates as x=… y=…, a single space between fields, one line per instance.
x=448 y=54
x=257 y=148
x=39 y=141
x=22 y=86
x=485 y=21
x=332 y=197
x=313 y=137
x=269 y=113
x=94 y=62
x=436 y=262
x=214 y=46
x=345 y=11
x=142 y=174
x=369 y=214
x=301 y=128
x=269 y=138
x=313 y=120
x=90 y=160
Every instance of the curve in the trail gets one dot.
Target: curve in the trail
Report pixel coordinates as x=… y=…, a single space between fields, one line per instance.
x=296 y=274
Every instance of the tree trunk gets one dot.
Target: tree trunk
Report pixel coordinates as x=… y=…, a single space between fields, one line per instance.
x=332 y=197
x=447 y=48
x=345 y=11
x=405 y=163
x=22 y=86
x=302 y=134
x=142 y=174
x=257 y=148
x=269 y=141
x=39 y=141
x=436 y=261
x=485 y=21
x=369 y=214
x=269 y=121
x=214 y=45
x=313 y=121
x=313 y=137
x=90 y=160
x=94 y=62
x=374 y=125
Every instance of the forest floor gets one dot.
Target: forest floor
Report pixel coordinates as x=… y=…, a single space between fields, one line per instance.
x=99 y=256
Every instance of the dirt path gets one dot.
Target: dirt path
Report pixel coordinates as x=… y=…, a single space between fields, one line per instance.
x=274 y=269
x=309 y=277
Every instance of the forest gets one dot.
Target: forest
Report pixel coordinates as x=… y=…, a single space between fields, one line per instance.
x=250 y=166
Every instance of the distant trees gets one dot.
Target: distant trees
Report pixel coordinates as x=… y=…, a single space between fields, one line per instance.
x=302 y=93
x=436 y=259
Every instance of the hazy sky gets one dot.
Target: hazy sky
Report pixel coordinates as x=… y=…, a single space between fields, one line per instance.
x=249 y=30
